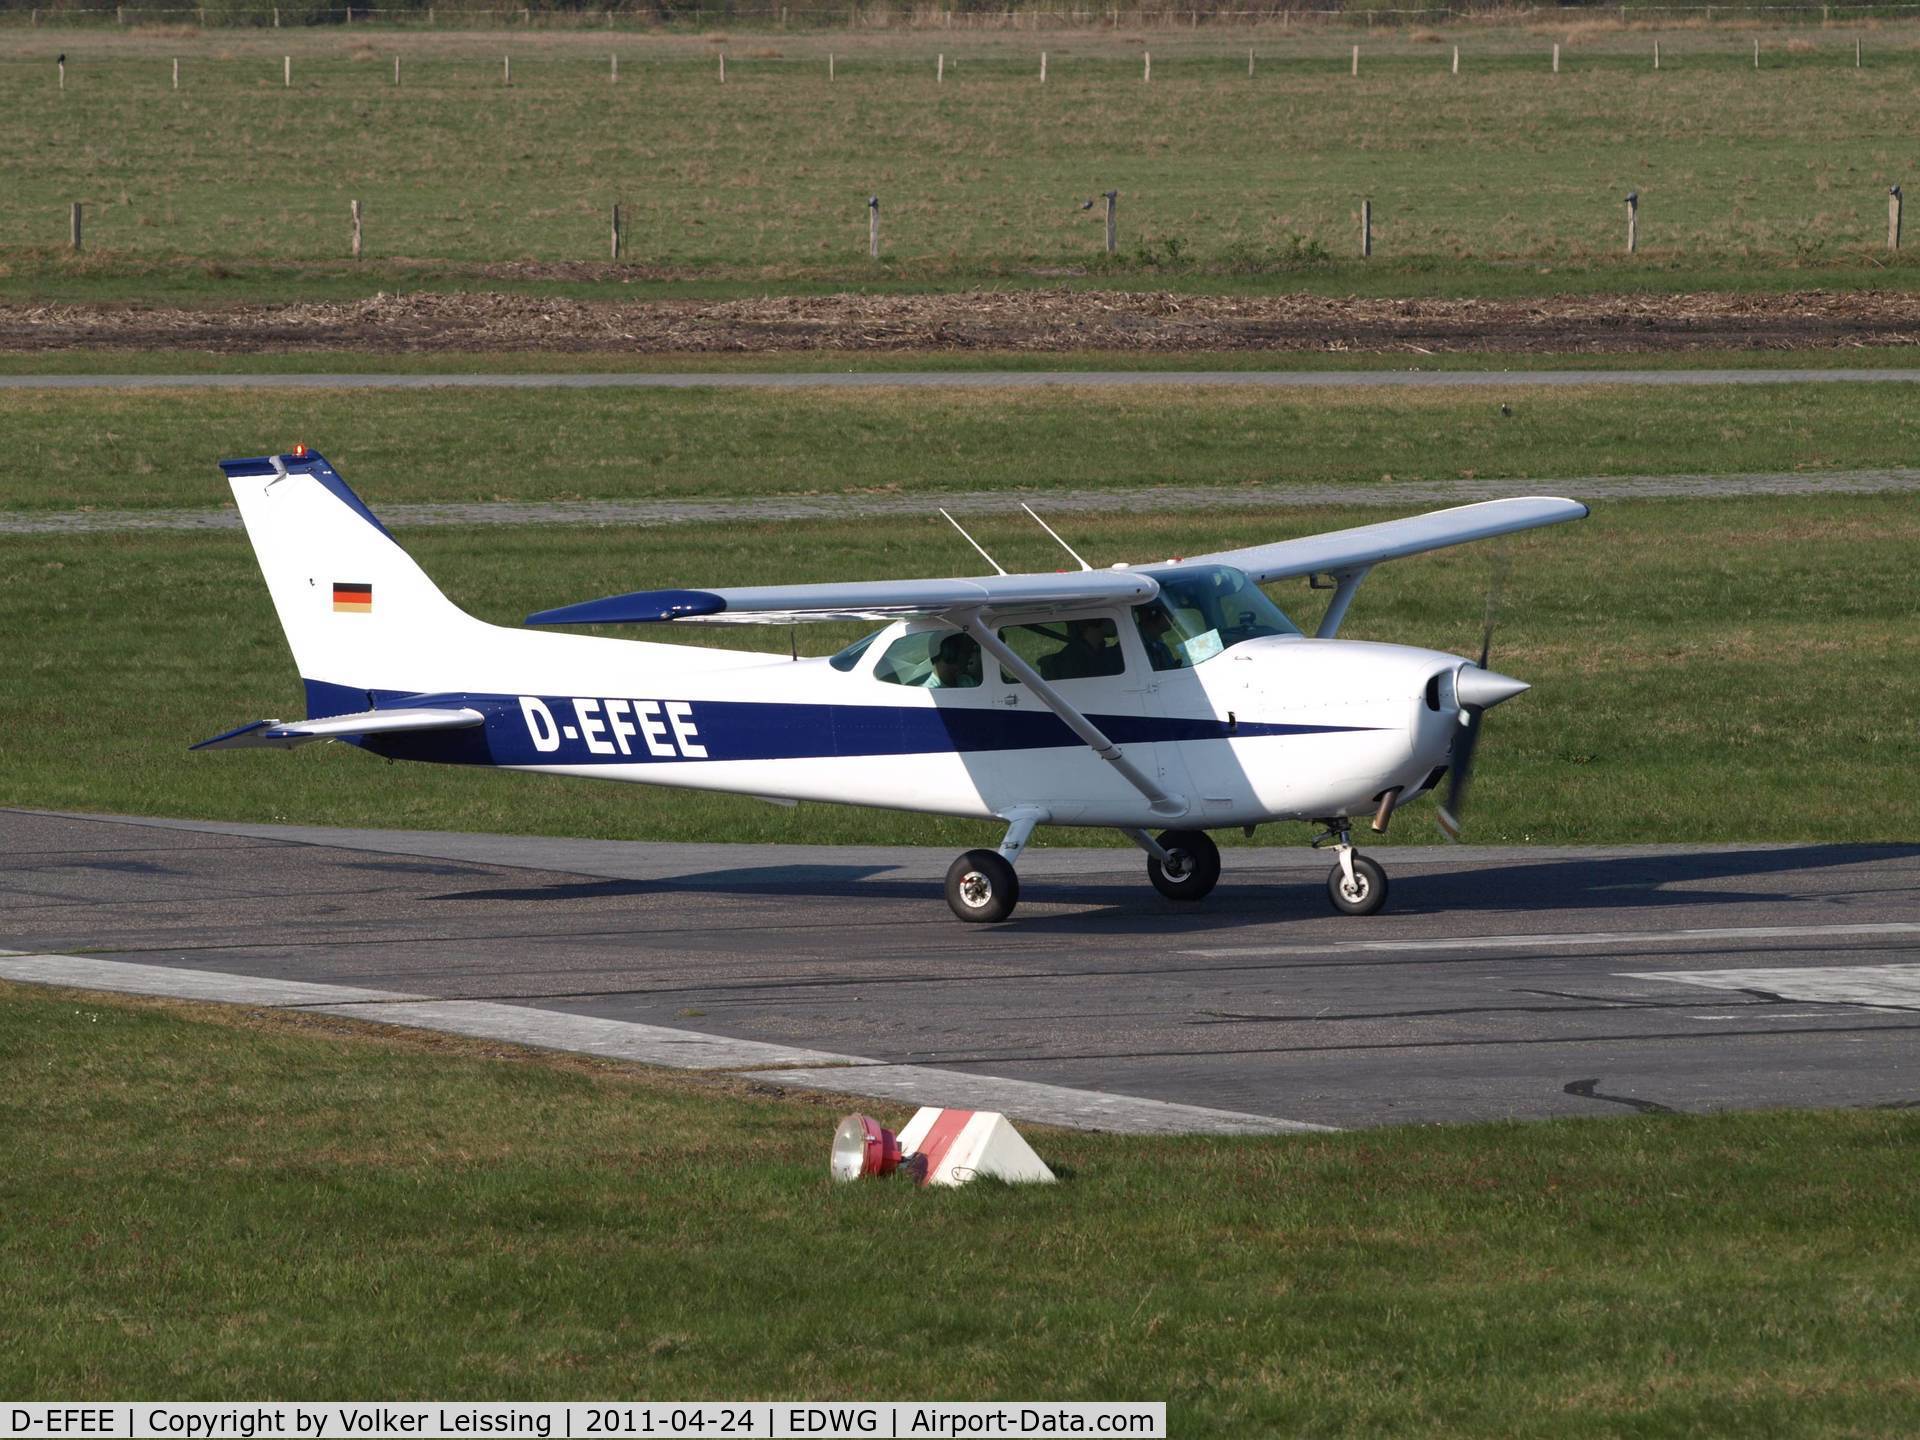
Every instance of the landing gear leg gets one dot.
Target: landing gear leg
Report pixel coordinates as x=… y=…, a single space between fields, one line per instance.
x=982 y=885
x=1357 y=885
x=1182 y=864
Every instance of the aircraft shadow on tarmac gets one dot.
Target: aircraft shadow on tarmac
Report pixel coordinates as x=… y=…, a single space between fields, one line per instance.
x=1614 y=883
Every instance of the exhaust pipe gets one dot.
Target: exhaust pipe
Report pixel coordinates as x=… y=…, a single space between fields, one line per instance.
x=1384 y=814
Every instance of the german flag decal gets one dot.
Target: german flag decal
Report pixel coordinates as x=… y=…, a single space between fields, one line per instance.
x=357 y=598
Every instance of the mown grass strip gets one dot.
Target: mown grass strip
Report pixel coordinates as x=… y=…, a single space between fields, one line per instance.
x=204 y=1203
x=1737 y=670
x=64 y=451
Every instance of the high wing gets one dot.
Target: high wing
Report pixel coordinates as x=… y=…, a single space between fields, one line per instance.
x=1338 y=551
x=859 y=600
x=283 y=735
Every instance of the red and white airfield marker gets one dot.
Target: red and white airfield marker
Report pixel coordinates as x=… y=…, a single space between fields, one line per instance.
x=962 y=1145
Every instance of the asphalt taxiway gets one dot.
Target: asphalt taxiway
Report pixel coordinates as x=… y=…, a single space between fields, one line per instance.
x=1498 y=983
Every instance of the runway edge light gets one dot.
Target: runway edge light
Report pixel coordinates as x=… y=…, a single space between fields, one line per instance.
x=863 y=1148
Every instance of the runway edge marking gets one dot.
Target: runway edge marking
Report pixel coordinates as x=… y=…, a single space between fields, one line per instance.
x=651 y=1045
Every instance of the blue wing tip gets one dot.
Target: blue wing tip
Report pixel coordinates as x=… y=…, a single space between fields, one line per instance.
x=640 y=608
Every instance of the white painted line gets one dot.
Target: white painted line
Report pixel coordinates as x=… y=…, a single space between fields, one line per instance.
x=1031 y=1100
x=651 y=1045
x=1877 y=987
x=589 y=1035
x=1578 y=939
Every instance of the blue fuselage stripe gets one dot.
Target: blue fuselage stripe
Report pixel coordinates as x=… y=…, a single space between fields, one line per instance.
x=581 y=731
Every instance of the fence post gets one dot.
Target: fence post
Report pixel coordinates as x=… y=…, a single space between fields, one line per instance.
x=506 y=69
x=63 y=72
x=276 y=17
x=1756 y=53
x=613 y=76
x=355 y=211
x=1356 y=58
x=1893 y=218
x=1456 y=59
x=1043 y=67
x=829 y=65
x=1113 y=221
x=1633 y=221
x=873 y=227
x=73 y=225
x=1556 y=59
x=396 y=69
x=1366 y=229
x=286 y=71
x=176 y=72
x=1856 y=52
x=1656 y=54
x=1146 y=73
x=616 y=232
x=1249 y=64
x=723 y=67
x=940 y=70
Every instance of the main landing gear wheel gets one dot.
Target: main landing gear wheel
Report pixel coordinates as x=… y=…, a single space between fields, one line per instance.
x=1195 y=869
x=982 y=888
x=1365 y=894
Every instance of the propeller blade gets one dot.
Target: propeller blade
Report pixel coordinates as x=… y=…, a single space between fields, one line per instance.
x=1459 y=777
x=1479 y=690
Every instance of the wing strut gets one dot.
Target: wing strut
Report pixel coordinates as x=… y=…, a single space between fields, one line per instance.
x=1346 y=583
x=1158 y=800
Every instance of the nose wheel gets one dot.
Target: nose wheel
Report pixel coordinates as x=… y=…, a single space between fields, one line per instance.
x=1357 y=885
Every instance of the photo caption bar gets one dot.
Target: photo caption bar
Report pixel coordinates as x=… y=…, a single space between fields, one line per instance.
x=437 y=1419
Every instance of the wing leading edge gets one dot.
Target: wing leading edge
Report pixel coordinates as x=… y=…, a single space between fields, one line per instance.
x=1365 y=545
x=858 y=600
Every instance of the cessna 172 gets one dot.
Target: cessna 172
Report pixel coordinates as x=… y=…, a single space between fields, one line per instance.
x=1174 y=697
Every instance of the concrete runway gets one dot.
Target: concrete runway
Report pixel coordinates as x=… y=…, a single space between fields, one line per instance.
x=1498 y=983
x=959 y=379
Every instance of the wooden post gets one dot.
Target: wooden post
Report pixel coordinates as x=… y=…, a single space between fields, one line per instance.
x=940 y=70
x=396 y=69
x=613 y=74
x=286 y=71
x=506 y=69
x=1146 y=73
x=1456 y=59
x=1656 y=54
x=355 y=212
x=276 y=17
x=1113 y=221
x=873 y=227
x=723 y=67
x=829 y=65
x=1633 y=221
x=616 y=232
x=1356 y=56
x=1043 y=67
x=1366 y=229
x=1893 y=218
x=63 y=72
x=1556 y=59
x=1756 y=54
x=176 y=72
x=73 y=225
x=1856 y=52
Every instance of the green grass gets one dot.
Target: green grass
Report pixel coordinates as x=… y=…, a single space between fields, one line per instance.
x=334 y=362
x=203 y=1203
x=158 y=449
x=1486 y=179
x=1734 y=670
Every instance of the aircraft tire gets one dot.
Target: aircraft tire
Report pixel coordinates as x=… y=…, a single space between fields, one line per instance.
x=982 y=888
x=1203 y=865
x=1369 y=892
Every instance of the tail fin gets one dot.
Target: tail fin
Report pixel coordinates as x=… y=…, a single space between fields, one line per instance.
x=359 y=614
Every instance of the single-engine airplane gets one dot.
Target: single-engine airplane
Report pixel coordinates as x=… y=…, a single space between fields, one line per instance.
x=1174 y=697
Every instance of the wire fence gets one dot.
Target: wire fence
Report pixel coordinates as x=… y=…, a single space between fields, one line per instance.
x=861 y=16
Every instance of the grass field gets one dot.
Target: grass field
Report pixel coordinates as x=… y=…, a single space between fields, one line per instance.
x=1504 y=168
x=204 y=1203
x=1735 y=670
x=61 y=451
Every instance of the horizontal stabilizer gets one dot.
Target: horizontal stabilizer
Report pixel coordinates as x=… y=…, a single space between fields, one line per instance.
x=284 y=735
x=860 y=600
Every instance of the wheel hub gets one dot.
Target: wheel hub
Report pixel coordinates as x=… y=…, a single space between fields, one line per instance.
x=976 y=889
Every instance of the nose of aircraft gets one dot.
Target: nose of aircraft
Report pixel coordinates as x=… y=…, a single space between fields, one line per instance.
x=1483 y=689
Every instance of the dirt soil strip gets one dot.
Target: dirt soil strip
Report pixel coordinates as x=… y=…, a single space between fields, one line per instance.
x=1012 y=320
x=843 y=507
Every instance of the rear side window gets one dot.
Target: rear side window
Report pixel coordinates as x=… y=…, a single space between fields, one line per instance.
x=1081 y=649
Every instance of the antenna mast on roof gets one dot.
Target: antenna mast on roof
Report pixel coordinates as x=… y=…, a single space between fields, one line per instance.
x=1056 y=536
x=973 y=542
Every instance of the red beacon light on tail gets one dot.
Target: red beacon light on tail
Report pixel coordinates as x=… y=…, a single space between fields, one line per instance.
x=299 y=452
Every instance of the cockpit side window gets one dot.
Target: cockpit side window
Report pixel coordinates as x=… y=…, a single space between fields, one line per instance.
x=848 y=658
x=1086 y=647
x=1202 y=611
x=933 y=660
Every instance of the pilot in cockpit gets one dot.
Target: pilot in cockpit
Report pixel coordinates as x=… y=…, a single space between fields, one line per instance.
x=956 y=664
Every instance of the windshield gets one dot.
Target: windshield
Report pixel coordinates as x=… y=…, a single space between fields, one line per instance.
x=1203 y=610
